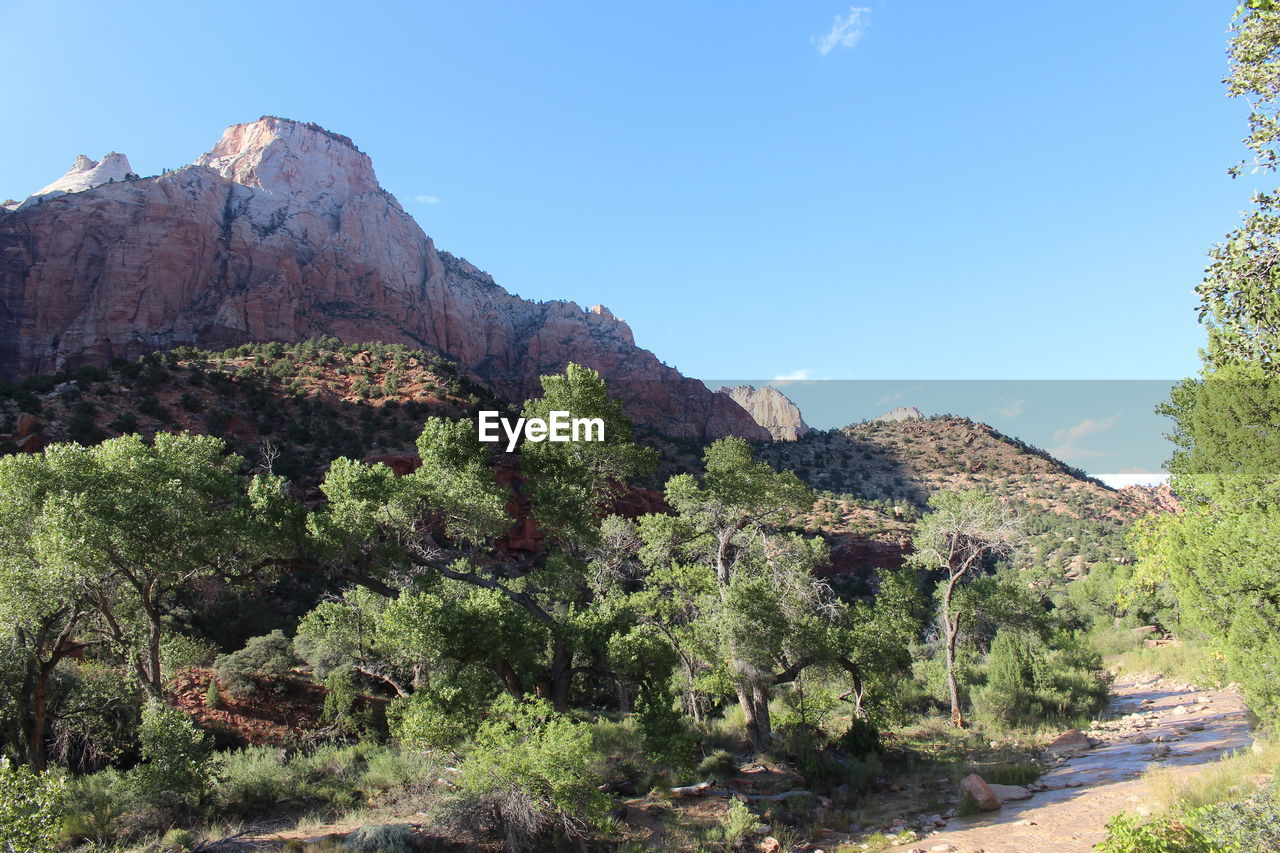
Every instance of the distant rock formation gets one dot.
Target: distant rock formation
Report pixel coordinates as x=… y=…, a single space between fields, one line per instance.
x=902 y=413
x=771 y=409
x=1155 y=499
x=83 y=175
x=282 y=232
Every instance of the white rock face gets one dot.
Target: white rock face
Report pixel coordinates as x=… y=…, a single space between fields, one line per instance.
x=772 y=409
x=87 y=173
x=902 y=413
x=281 y=157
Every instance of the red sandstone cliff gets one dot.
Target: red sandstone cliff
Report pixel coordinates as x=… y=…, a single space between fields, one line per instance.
x=282 y=232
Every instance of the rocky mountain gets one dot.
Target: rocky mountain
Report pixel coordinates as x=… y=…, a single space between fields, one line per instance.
x=282 y=232
x=878 y=477
x=770 y=408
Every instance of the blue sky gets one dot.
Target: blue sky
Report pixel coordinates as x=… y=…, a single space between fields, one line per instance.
x=761 y=188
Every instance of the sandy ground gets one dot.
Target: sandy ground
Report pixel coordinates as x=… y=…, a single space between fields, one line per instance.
x=1088 y=790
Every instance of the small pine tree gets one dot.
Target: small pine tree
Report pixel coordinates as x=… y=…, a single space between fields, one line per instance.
x=212 y=696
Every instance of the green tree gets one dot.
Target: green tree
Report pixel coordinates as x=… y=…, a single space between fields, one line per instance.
x=144 y=520
x=31 y=806
x=434 y=529
x=1219 y=557
x=957 y=539
x=44 y=601
x=764 y=617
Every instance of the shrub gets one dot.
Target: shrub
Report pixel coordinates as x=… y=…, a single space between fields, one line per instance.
x=662 y=728
x=861 y=739
x=1125 y=834
x=530 y=768
x=180 y=652
x=31 y=808
x=178 y=839
x=268 y=658
x=387 y=838
x=95 y=803
x=255 y=779
x=1249 y=824
x=212 y=696
x=430 y=720
x=1029 y=683
x=737 y=825
x=124 y=423
x=342 y=706
x=175 y=770
x=719 y=765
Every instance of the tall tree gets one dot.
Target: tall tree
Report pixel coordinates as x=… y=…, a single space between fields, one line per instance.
x=144 y=519
x=957 y=539
x=44 y=602
x=768 y=616
x=1219 y=557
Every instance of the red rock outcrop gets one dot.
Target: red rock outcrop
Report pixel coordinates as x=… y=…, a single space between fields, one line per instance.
x=282 y=232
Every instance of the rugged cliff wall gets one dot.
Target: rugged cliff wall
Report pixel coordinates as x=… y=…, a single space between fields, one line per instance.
x=282 y=232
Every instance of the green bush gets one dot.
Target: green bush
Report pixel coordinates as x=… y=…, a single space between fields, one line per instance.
x=95 y=804
x=1249 y=824
x=662 y=728
x=531 y=770
x=269 y=658
x=861 y=739
x=387 y=838
x=31 y=807
x=213 y=696
x=1126 y=834
x=1029 y=683
x=175 y=770
x=719 y=764
x=437 y=718
x=256 y=778
x=178 y=839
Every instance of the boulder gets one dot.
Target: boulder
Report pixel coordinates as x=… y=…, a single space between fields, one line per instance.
x=977 y=789
x=1069 y=741
x=1009 y=792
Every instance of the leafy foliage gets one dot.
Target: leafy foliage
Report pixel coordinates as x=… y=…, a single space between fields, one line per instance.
x=31 y=807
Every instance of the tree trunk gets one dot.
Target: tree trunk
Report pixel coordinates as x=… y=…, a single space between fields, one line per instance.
x=754 y=699
x=951 y=629
x=560 y=676
x=39 y=718
x=155 y=681
x=510 y=681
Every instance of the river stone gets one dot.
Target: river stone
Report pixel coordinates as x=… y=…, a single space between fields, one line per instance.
x=980 y=792
x=1009 y=792
x=1070 y=741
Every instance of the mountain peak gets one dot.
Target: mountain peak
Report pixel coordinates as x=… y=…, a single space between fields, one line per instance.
x=276 y=154
x=87 y=173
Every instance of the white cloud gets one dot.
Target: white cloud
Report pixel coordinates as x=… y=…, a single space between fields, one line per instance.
x=1134 y=477
x=845 y=32
x=794 y=376
x=427 y=199
x=1066 y=442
